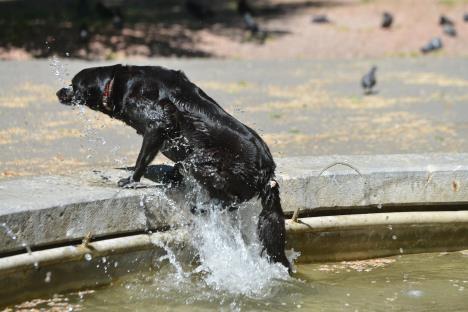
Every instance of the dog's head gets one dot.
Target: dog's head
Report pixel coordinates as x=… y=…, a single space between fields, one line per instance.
x=91 y=87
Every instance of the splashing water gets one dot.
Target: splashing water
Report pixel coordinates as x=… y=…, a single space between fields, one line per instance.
x=229 y=255
x=227 y=250
x=58 y=67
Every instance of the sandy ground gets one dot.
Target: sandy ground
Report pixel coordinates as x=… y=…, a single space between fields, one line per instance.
x=299 y=107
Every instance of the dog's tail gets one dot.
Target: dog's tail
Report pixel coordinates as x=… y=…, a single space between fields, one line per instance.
x=271 y=228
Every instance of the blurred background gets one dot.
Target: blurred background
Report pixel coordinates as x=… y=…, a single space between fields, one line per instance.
x=113 y=29
x=298 y=72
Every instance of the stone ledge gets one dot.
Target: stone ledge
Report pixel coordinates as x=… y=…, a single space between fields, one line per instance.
x=57 y=209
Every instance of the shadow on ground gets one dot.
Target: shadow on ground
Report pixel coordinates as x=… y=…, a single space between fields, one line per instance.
x=150 y=28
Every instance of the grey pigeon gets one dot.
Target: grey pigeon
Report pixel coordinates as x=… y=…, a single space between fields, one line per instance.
x=387 y=20
x=444 y=20
x=434 y=44
x=369 y=80
x=320 y=19
x=84 y=33
x=250 y=23
x=449 y=30
x=253 y=27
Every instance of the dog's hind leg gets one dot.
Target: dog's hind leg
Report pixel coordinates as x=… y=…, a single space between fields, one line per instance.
x=152 y=142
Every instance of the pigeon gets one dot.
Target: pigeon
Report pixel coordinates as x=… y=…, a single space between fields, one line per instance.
x=444 y=20
x=320 y=19
x=118 y=19
x=250 y=23
x=465 y=17
x=84 y=33
x=434 y=44
x=369 y=80
x=387 y=20
x=253 y=27
x=449 y=30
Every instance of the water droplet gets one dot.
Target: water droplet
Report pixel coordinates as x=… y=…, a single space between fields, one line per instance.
x=48 y=277
x=415 y=293
x=67 y=53
x=401 y=250
x=394 y=237
x=88 y=257
x=104 y=260
x=379 y=206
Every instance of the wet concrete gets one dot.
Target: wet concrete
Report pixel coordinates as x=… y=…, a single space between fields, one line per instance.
x=300 y=107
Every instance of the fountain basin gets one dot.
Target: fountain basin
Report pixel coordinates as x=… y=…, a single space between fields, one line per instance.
x=397 y=204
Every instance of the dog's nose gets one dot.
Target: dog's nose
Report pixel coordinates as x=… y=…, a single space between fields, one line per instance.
x=65 y=95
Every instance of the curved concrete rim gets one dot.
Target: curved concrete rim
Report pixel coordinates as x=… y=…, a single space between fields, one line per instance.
x=317 y=224
x=340 y=223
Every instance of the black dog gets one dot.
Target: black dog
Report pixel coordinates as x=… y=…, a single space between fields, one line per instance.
x=177 y=118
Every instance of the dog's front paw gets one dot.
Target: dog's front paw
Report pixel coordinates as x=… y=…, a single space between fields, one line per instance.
x=126 y=182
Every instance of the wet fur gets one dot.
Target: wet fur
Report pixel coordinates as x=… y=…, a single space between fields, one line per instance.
x=181 y=121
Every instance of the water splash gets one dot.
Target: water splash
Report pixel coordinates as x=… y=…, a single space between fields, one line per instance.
x=230 y=259
x=59 y=69
x=226 y=248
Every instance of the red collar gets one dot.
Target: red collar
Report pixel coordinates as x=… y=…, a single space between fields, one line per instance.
x=107 y=94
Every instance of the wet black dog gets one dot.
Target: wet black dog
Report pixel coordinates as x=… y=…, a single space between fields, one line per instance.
x=177 y=118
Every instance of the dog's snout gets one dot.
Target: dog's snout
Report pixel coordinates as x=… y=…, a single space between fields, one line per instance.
x=65 y=95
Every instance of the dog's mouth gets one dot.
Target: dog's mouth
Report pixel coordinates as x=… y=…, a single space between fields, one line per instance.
x=65 y=95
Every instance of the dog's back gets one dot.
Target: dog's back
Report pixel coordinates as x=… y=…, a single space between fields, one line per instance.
x=235 y=152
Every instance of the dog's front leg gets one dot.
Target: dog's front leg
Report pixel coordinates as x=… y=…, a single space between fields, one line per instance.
x=152 y=141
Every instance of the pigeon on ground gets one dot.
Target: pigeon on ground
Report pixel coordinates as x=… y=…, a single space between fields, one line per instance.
x=250 y=23
x=84 y=33
x=253 y=27
x=320 y=19
x=369 y=80
x=434 y=44
x=449 y=30
x=444 y=20
x=465 y=17
x=118 y=19
x=387 y=20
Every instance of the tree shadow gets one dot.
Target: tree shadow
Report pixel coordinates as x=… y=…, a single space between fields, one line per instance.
x=150 y=28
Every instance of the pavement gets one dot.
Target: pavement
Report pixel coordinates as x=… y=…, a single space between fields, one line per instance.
x=300 y=107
